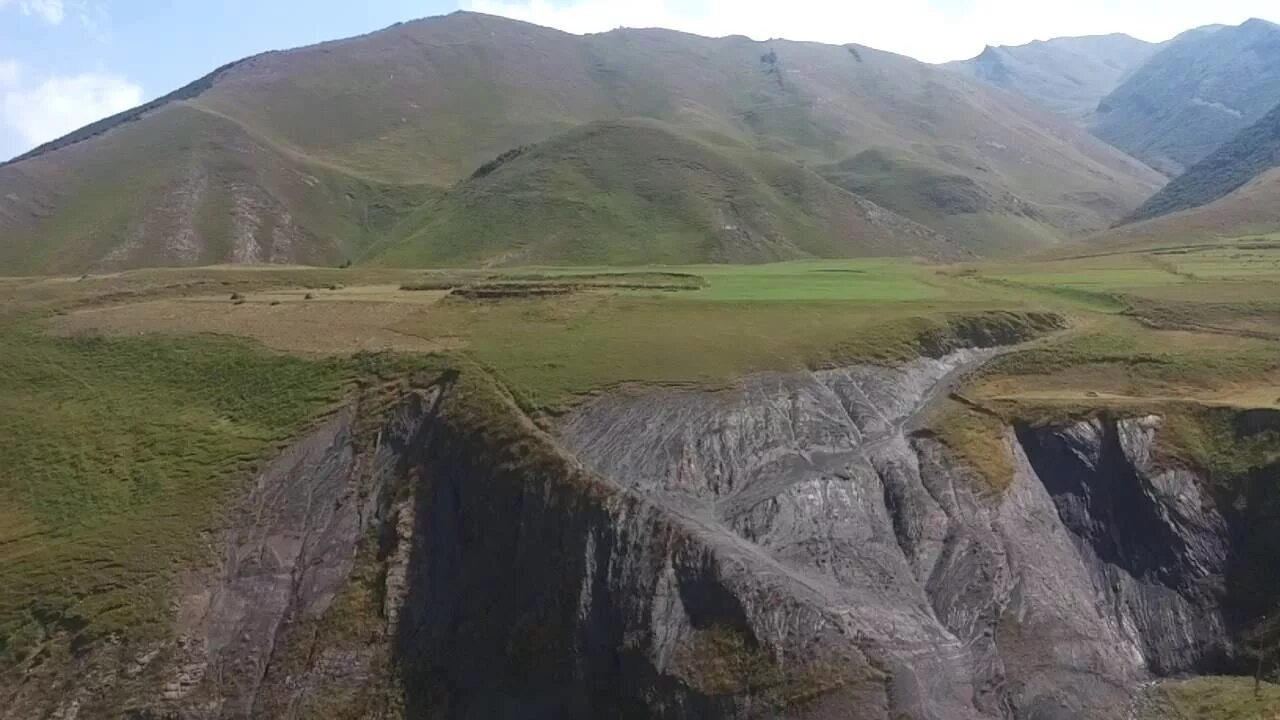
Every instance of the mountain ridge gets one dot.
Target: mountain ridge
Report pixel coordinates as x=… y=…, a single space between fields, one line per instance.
x=1195 y=94
x=1067 y=75
x=638 y=192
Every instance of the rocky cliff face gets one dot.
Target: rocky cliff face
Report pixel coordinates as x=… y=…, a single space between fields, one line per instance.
x=1053 y=599
x=288 y=549
x=791 y=547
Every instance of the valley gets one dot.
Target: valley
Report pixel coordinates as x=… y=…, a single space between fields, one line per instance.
x=470 y=368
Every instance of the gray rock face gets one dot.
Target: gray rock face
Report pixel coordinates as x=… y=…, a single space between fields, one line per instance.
x=287 y=553
x=1055 y=599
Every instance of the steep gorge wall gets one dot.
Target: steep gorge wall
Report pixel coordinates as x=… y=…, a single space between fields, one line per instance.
x=789 y=547
x=538 y=590
x=1099 y=568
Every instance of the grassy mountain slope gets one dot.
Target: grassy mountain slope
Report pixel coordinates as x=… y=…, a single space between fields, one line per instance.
x=182 y=186
x=1195 y=94
x=967 y=212
x=639 y=192
x=1254 y=151
x=432 y=100
x=421 y=105
x=1253 y=209
x=1067 y=75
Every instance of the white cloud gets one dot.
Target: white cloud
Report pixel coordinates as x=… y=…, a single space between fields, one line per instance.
x=55 y=106
x=931 y=30
x=52 y=11
x=10 y=71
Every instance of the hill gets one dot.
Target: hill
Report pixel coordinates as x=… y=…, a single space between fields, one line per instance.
x=1253 y=209
x=1195 y=94
x=182 y=186
x=312 y=154
x=1068 y=75
x=990 y=222
x=1246 y=156
x=638 y=192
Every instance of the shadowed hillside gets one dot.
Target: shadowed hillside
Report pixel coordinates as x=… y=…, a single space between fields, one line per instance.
x=1195 y=94
x=1251 y=209
x=1254 y=151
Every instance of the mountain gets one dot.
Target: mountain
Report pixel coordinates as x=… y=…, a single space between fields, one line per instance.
x=1246 y=156
x=1068 y=75
x=339 y=151
x=639 y=192
x=1195 y=94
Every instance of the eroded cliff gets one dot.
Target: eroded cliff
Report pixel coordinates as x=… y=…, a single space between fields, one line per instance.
x=793 y=546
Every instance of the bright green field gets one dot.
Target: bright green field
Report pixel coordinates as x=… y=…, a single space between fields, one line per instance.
x=875 y=280
x=746 y=319
x=115 y=455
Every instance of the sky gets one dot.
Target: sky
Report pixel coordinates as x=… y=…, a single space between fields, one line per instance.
x=66 y=63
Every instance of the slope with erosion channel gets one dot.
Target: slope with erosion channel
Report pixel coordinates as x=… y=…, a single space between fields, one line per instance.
x=639 y=192
x=1099 y=567
x=423 y=104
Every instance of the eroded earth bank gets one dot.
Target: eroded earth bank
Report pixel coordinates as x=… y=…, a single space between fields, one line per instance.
x=798 y=545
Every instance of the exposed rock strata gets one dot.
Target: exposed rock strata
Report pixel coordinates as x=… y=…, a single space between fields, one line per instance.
x=786 y=548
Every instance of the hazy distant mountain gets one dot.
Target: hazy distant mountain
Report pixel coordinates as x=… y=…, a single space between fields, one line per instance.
x=1252 y=152
x=1195 y=94
x=367 y=148
x=1067 y=75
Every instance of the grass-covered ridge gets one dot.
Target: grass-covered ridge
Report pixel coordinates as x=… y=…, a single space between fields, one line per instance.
x=639 y=191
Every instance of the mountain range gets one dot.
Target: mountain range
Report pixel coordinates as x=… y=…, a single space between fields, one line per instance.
x=367 y=149
x=471 y=139
x=1203 y=108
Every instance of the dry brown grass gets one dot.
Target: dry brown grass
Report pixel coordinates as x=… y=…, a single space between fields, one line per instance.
x=331 y=322
x=978 y=442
